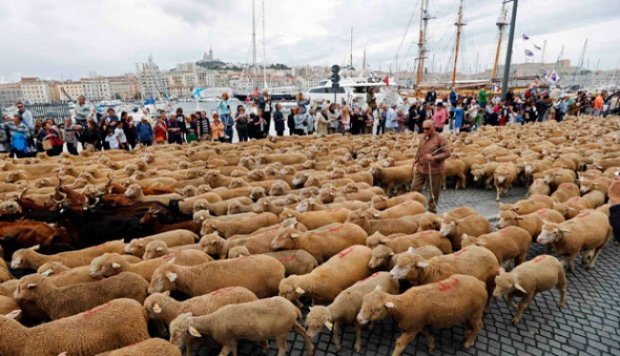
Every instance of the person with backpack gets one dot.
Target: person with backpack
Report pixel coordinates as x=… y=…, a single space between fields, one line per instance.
x=52 y=141
x=278 y=119
x=19 y=135
x=5 y=144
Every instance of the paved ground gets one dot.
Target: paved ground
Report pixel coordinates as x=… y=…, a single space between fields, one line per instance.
x=588 y=325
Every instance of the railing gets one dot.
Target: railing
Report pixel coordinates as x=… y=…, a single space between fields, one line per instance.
x=57 y=112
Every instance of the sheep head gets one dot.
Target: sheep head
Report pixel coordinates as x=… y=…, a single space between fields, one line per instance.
x=29 y=286
x=290 y=288
x=212 y=244
x=257 y=193
x=318 y=318
x=550 y=232
x=179 y=328
x=285 y=239
x=135 y=247
x=375 y=307
x=164 y=279
x=408 y=265
x=381 y=256
x=107 y=265
x=200 y=204
x=506 y=283
x=155 y=249
x=134 y=191
x=238 y=251
x=447 y=225
x=508 y=218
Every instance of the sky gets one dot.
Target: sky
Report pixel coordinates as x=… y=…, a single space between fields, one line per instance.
x=68 y=39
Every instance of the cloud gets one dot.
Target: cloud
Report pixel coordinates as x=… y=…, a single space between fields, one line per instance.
x=70 y=38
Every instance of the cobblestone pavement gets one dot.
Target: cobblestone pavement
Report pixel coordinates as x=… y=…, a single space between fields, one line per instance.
x=588 y=325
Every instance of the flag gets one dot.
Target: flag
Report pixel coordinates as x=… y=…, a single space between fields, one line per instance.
x=197 y=92
x=526 y=37
x=529 y=53
x=386 y=80
x=537 y=47
x=554 y=77
x=545 y=72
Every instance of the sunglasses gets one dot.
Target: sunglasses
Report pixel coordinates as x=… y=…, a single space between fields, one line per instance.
x=426 y=128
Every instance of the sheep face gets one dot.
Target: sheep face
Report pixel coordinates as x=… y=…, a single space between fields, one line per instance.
x=373 y=240
x=447 y=226
x=234 y=208
x=200 y=216
x=277 y=189
x=429 y=221
x=409 y=266
x=236 y=183
x=300 y=179
x=133 y=191
x=289 y=288
x=19 y=258
x=257 y=193
x=506 y=283
x=153 y=303
x=179 y=329
x=303 y=206
x=256 y=175
x=380 y=256
x=374 y=307
x=189 y=191
x=550 y=233
x=10 y=207
x=285 y=240
x=135 y=247
x=318 y=318
x=207 y=228
x=26 y=288
x=238 y=251
x=155 y=249
x=49 y=268
x=507 y=218
x=107 y=265
x=200 y=204
x=211 y=244
x=163 y=279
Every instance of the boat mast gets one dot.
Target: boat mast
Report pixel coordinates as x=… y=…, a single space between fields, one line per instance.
x=364 y=64
x=542 y=56
x=253 y=39
x=459 y=25
x=264 y=53
x=581 y=58
x=476 y=66
x=424 y=18
x=501 y=23
x=351 y=58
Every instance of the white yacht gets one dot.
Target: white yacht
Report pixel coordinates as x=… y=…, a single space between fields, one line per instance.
x=356 y=88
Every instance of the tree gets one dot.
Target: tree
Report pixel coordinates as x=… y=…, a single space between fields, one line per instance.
x=137 y=96
x=117 y=96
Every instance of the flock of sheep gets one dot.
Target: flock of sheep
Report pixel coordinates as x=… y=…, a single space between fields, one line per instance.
x=240 y=237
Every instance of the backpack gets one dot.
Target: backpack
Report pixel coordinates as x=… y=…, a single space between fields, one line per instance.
x=4 y=137
x=19 y=142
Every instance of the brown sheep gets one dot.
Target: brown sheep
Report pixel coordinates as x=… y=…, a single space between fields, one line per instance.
x=384 y=258
x=244 y=225
x=381 y=202
x=74 y=335
x=407 y=208
x=402 y=243
x=136 y=247
x=472 y=225
x=511 y=242
x=532 y=223
x=405 y=224
x=565 y=191
x=542 y=273
x=587 y=232
x=503 y=177
x=321 y=243
x=153 y=346
x=458 y=299
x=316 y=219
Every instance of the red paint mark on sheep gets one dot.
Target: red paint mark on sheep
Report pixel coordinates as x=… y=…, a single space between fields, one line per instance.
x=222 y=291
x=584 y=214
x=459 y=252
x=539 y=258
x=168 y=256
x=95 y=310
x=335 y=228
x=343 y=253
x=374 y=275
x=447 y=284
x=287 y=258
x=425 y=233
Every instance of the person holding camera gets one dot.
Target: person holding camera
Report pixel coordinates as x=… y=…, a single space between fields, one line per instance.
x=301 y=121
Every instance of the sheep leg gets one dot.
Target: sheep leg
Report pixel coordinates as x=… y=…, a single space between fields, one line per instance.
x=301 y=331
x=281 y=341
x=336 y=335
x=509 y=301
x=472 y=328
x=523 y=304
x=594 y=258
x=265 y=346
x=569 y=262
x=226 y=349
x=403 y=340
x=562 y=287
x=430 y=340
x=188 y=347
x=519 y=259
x=358 y=337
x=497 y=189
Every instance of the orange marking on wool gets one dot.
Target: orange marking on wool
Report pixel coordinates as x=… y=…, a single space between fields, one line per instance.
x=447 y=284
x=95 y=310
x=539 y=258
x=459 y=252
x=222 y=291
x=335 y=228
x=168 y=256
x=425 y=233
x=343 y=253
x=287 y=258
x=374 y=275
x=542 y=211
x=583 y=213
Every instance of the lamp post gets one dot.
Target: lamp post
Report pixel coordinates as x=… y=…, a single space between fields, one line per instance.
x=511 y=37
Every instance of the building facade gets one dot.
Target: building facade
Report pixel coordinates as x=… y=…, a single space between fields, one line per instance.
x=35 y=91
x=10 y=94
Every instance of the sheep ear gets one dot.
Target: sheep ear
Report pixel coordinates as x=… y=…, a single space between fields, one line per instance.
x=481 y=243
x=192 y=330
x=378 y=288
x=35 y=247
x=329 y=325
x=14 y=314
x=156 y=308
x=171 y=276
x=166 y=293
x=159 y=249
x=47 y=273
x=116 y=265
x=294 y=236
x=299 y=290
x=421 y=264
x=31 y=285
x=411 y=250
x=501 y=270
x=389 y=305
x=519 y=287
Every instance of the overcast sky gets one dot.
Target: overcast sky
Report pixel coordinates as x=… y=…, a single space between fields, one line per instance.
x=70 y=38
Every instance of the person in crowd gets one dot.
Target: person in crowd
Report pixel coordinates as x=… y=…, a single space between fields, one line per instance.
x=401 y=120
x=119 y=133
x=467 y=124
x=113 y=118
x=39 y=131
x=19 y=136
x=357 y=121
x=144 y=132
x=290 y=121
x=302 y=102
x=241 y=124
x=111 y=141
x=161 y=128
x=345 y=120
x=431 y=96
x=52 y=141
x=599 y=101
x=412 y=117
x=371 y=99
x=130 y=132
x=542 y=106
x=278 y=120
x=459 y=114
x=71 y=134
x=5 y=144
x=381 y=120
x=190 y=128
x=264 y=106
x=614 y=211
x=82 y=111
x=311 y=121
x=217 y=129
x=369 y=120
x=176 y=127
x=322 y=121
x=91 y=137
x=204 y=126
x=332 y=117
x=225 y=117
x=390 y=118
x=300 y=122
x=429 y=163
x=440 y=117
x=26 y=115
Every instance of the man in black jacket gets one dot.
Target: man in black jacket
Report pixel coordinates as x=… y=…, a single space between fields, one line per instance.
x=204 y=126
x=614 y=210
x=278 y=119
